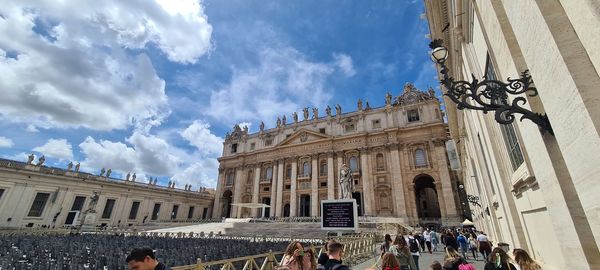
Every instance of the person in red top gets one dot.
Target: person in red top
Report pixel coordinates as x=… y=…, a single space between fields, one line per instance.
x=389 y=262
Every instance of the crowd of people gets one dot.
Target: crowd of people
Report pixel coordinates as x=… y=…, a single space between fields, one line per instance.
x=460 y=247
x=90 y=251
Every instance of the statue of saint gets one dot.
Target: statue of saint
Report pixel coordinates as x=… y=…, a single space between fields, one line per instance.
x=41 y=161
x=262 y=126
x=93 y=201
x=169 y=184
x=315 y=113
x=359 y=105
x=431 y=93
x=127 y=176
x=102 y=172
x=283 y=120
x=328 y=111
x=246 y=129
x=77 y=167
x=295 y=116
x=30 y=158
x=346 y=182
x=338 y=110
x=368 y=107
x=388 y=99
x=69 y=166
x=133 y=177
x=278 y=122
x=305 y=112
x=108 y=173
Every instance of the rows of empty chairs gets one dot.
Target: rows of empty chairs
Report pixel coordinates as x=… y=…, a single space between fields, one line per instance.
x=94 y=251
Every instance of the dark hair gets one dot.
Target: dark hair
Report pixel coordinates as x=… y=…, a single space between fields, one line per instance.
x=523 y=259
x=389 y=260
x=292 y=247
x=388 y=238
x=498 y=252
x=139 y=254
x=435 y=265
x=334 y=248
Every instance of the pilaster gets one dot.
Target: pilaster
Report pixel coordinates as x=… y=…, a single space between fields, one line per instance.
x=237 y=191
x=273 y=190
x=293 y=196
x=280 y=181
x=330 y=177
x=255 y=189
x=216 y=213
x=397 y=182
x=366 y=181
x=446 y=184
x=314 y=186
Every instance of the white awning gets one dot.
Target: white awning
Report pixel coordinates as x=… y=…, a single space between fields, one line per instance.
x=251 y=205
x=467 y=223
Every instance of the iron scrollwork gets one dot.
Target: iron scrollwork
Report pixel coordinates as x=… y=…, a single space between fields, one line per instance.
x=473 y=199
x=492 y=95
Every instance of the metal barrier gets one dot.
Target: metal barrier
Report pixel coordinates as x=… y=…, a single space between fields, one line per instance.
x=356 y=249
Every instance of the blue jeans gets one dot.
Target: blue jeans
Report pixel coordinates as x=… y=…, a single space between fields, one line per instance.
x=416 y=259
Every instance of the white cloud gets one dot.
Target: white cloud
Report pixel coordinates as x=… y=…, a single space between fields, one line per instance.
x=198 y=134
x=284 y=81
x=66 y=63
x=344 y=62
x=57 y=148
x=32 y=129
x=5 y=142
x=202 y=173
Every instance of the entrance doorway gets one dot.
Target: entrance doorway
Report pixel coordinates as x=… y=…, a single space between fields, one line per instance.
x=286 y=210
x=426 y=196
x=267 y=201
x=226 y=204
x=305 y=205
x=358 y=197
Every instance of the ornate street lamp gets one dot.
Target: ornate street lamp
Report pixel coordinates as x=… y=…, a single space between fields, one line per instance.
x=490 y=95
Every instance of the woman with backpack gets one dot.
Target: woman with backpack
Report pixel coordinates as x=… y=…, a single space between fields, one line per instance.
x=402 y=253
x=473 y=247
x=414 y=247
x=453 y=261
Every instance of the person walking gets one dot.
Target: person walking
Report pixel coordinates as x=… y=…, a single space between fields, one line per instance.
x=473 y=247
x=462 y=244
x=296 y=258
x=435 y=240
x=524 y=261
x=452 y=259
x=498 y=259
x=415 y=247
x=402 y=253
x=450 y=240
x=144 y=259
x=336 y=252
x=483 y=245
x=387 y=243
x=427 y=236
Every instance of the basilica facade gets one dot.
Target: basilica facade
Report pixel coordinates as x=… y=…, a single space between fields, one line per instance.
x=396 y=153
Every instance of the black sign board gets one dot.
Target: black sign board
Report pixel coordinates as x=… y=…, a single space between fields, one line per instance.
x=339 y=215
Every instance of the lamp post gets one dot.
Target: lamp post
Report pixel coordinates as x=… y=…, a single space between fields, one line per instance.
x=490 y=95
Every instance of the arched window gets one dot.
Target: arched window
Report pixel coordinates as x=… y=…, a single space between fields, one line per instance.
x=323 y=168
x=354 y=164
x=269 y=173
x=420 y=160
x=379 y=162
x=288 y=171
x=306 y=168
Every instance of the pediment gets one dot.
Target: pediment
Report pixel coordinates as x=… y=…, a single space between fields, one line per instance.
x=303 y=136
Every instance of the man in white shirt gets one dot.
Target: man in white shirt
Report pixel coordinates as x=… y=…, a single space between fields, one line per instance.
x=427 y=236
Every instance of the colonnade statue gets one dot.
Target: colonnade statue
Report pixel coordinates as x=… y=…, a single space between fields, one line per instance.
x=346 y=182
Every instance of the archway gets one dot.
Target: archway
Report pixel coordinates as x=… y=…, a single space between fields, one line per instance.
x=226 y=204
x=286 y=210
x=357 y=196
x=426 y=197
x=305 y=205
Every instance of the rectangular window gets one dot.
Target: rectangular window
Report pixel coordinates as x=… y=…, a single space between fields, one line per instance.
x=323 y=184
x=508 y=131
x=78 y=203
x=376 y=123
x=288 y=187
x=174 y=212
x=234 y=148
x=135 y=206
x=413 y=115
x=252 y=146
x=322 y=130
x=1 y=193
x=108 y=208
x=38 y=205
x=266 y=189
x=191 y=212
x=288 y=171
x=155 y=211
x=268 y=142
x=205 y=213
x=349 y=127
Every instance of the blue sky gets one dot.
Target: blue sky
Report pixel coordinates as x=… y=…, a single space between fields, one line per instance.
x=152 y=87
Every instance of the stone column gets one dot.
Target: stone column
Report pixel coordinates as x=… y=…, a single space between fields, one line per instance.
x=280 y=181
x=397 y=182
x=446 y=184
x=216 y=213
x=255 y=190
x=340 y=161
x=314 y=187
x=293 y=196
x=330 y=177
x=411 y=199
x=237 y=191
x=365 y=175
x=273 y=190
